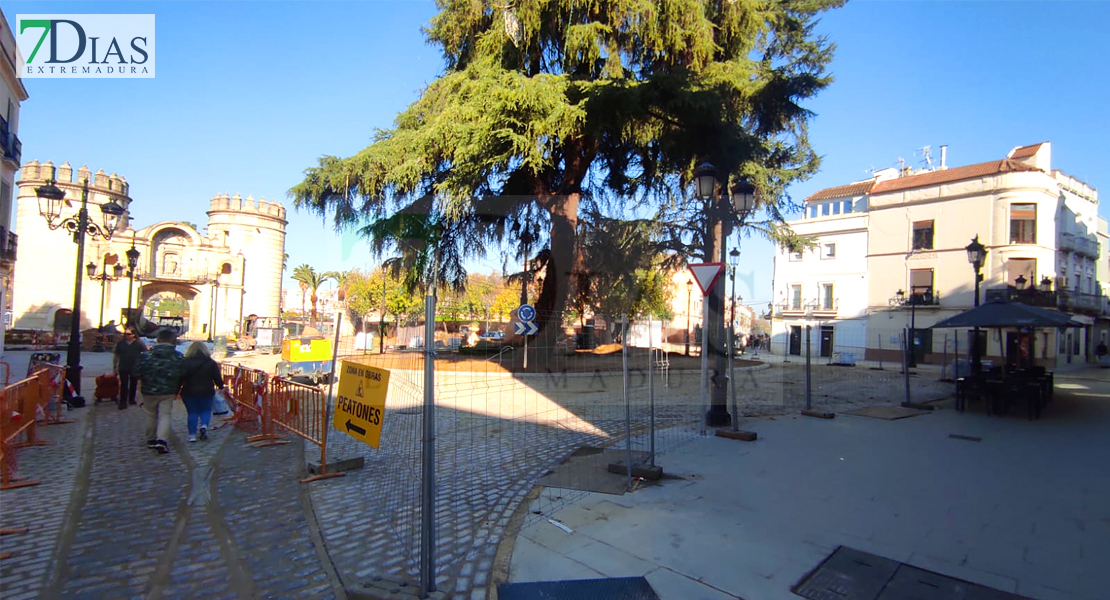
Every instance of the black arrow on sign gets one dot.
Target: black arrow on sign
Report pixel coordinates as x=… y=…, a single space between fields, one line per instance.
x=355 y=428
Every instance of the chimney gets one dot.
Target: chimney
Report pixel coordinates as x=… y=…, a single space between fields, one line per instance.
x=943 y=157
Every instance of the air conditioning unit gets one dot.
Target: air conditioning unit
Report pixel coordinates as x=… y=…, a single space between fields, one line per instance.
x=1061 y=282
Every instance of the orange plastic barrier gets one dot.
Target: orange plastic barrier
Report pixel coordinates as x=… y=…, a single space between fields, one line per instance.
x=53 y=379
x=249 y=389
x=18 y=404
x=302 y=410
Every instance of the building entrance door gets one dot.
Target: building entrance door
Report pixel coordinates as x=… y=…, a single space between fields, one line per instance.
x=827 y=341
x=795 y=340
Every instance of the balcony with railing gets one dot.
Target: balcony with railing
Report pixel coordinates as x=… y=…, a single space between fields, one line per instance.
x=10 y=145
x=1066 y=242
x=826 y=307
x=1087 y=246
x=1032 y=297
x=173 y=276
x=9 y=242
x=1091 y=304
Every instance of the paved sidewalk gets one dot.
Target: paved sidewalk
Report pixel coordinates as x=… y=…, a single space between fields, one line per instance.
x=1025 y=510
x=112 y=519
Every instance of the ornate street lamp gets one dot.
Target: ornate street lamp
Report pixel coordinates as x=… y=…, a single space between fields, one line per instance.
x=977 y=256
x=1020 y=282
x=103 y=278
x=728 y=208
x=132 y=262
x=51 y=206
x=1046 y=284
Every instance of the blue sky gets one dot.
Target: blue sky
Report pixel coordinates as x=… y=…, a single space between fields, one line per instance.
x=249 y=94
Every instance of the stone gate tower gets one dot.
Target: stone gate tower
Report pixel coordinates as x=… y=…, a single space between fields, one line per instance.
x=256 y=230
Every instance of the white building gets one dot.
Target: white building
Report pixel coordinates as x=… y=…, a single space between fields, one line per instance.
x=231 y=270
x=1039 y=225
x=12 y=93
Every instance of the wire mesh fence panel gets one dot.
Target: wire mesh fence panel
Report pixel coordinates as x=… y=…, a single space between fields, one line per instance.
x=851 y=366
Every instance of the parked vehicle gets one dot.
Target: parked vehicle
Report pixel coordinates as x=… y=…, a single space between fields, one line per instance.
x=493 y=336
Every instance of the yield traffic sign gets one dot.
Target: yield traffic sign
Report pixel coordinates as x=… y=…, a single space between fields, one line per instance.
x=706 y=275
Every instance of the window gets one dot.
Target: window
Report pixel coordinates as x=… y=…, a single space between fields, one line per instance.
x=1023 y=223
x=795 y=297
x=5 y=198
x=827 y=301
x=847 y=206
x=836 y=208
x=812 y=211
x=828 y=251
x=923 y=235
x=921 y=286
x=1024 y=267
x=825 y=209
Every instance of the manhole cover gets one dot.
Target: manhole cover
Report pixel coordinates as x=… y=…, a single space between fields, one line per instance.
x=849 y=574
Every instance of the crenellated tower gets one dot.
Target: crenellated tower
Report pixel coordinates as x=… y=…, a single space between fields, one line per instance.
x=45 y=268
x=256 y=230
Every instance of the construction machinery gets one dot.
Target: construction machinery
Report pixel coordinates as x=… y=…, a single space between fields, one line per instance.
x=263 y=334
x=308 y=355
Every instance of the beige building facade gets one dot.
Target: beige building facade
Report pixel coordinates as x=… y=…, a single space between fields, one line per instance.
x=12 y=94
x=1045 y=242
x=229 y=271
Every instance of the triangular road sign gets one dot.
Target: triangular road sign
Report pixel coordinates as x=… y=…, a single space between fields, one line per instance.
x=706 y=275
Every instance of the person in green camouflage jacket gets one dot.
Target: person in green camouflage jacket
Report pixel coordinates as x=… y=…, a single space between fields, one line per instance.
x=159 y=374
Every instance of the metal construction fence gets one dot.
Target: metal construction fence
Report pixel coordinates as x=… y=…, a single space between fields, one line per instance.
x=471 y=427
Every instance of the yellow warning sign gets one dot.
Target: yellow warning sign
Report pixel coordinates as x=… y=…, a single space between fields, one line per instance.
x=360 y=401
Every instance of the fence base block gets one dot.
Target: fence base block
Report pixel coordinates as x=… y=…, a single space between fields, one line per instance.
x=918 y=406
x=338 y=466
x=18 y=483
x=818 y=414
x=743 y=436
x=653 y=473
x=380 y=587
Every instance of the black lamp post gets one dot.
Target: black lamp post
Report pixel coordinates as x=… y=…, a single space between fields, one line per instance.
x=977 y=256
x=733 y=261
x=103 y=278
x=132 y=262
x=215 y=281
x=689 y=290
x=728 y=206
x=1020 y=282
x=51 y=203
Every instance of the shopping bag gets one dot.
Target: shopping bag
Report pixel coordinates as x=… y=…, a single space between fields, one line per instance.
x=220 y=404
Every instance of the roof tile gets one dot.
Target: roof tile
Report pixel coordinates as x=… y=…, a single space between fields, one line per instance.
x=843 y=191
x=984 y=169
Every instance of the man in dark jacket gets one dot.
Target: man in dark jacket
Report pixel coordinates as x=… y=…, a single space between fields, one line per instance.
x=159 y=372
x=124 y=358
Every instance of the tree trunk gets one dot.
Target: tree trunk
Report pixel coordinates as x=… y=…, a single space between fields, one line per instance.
x=561 y=265
x=314 y=299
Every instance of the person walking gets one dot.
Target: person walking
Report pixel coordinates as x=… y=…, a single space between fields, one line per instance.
x=124 y=358
x=159 y=373
x=200 y=379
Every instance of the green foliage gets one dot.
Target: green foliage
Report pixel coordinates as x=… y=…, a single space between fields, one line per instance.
x=310 y=281
x=545 y=102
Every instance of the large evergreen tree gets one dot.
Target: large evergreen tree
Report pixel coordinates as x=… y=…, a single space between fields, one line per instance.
x=544 y=101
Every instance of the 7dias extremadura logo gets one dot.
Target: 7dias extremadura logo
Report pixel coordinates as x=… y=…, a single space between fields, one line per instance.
x=85 y=46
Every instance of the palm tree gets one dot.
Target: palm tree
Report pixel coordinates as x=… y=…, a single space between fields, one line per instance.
x=300 y=274
x=310 y=280
x=342 y=279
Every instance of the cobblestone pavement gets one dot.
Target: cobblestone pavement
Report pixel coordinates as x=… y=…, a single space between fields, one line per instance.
x=214 y=519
